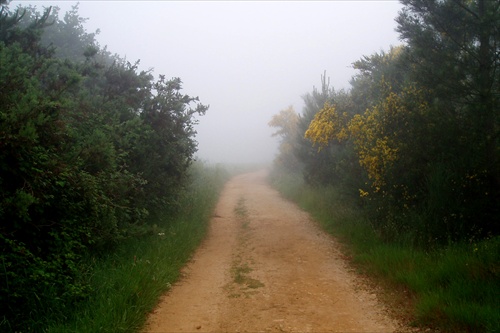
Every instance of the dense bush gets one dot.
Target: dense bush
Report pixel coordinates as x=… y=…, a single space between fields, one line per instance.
x=416 y=138
x=89 y=147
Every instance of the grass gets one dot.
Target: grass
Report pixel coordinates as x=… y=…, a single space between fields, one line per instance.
x=451 y=289
x=128 y=282
x=240 y=268
x=240 y=273
x=242 y=213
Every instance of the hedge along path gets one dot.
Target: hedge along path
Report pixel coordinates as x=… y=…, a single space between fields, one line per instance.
x=266 y=267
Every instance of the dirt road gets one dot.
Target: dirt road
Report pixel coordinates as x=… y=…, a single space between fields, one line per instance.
x=266 y=267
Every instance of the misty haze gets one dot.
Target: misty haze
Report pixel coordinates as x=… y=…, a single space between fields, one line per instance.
x=247 y=60
x=249 y=166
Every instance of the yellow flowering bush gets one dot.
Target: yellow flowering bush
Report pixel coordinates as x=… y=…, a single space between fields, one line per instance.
x=377 y=135
x=382 y=131
x=328 y=124
x=376 y=151
x=286 y=124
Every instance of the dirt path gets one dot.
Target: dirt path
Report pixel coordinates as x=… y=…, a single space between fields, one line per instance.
x=265 y=267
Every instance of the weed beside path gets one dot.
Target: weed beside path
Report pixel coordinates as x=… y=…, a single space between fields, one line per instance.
x=450 y=289
x=128 y=282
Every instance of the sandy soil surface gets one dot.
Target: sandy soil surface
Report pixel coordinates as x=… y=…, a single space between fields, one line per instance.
x=266 y=267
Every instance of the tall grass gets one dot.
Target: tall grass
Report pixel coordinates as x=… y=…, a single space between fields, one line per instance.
x=454 y=288
x=128 y=282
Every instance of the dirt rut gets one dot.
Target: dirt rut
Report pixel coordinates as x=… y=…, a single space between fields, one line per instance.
x=266 y=267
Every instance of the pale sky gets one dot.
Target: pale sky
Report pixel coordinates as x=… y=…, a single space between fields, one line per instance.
x=246 y=59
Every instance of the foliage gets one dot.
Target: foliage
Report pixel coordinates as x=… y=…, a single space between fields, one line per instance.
x=453 y=51
x=286 y=123
x=89 y=148
x=405 y=165
x=417 y=136
x=316 y=164
x=380 y=135
x=128 y=282
x=328 y=124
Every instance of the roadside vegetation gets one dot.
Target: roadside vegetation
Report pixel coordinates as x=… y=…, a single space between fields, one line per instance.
x=100 y=202
x=127 y=283
x=452 y=288
x=405 y=165
x=241 y=266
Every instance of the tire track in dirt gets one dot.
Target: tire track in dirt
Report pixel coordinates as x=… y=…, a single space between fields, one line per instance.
x=266 y=267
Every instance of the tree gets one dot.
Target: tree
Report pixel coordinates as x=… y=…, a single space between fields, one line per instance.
x=316 y=164
x=168 y=150
x=453 y=49
x=69 y=37
x=286 y=123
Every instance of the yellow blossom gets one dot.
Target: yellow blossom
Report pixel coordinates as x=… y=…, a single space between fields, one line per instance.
x=327 y=125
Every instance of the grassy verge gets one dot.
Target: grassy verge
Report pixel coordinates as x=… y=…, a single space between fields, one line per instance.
x=452 y=289
x=128 y=282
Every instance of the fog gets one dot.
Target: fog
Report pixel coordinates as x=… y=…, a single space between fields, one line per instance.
x=247 y=60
